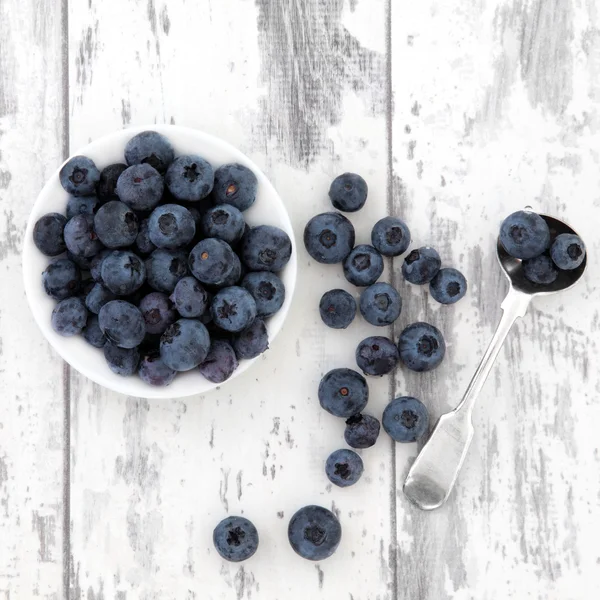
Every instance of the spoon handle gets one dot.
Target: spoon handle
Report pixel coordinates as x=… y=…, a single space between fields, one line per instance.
x=434 y=472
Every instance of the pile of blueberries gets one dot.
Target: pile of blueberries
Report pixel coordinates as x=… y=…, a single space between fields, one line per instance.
x=329 y=238
x=161 y=270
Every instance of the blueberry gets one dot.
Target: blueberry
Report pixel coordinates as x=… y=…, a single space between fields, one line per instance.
x=390 y=236
x=164 y=268
x=122 y=361
x=107 y=186
x=421 y=265
x=96 y=264
x=362 y=431
x=235 y=539
x=82 y=262
x=568 y=251
x=377 y=355
x=212 y=261
x=83 y=205
x=93 y=334
x=158 y=312
x=224 y=222
x=122 y=323
x=314 y=533
x=540 y=270
x=61 y=279
x=363 y=266
x=171 y=226
x=422 y=347
x=266 y=248
x=97 y=297
x=152 y=148
x=405 y=419
x=220 y=362
x=267 y=290
x=81 y=238
x=140 y=187
x=448 y=286
x=86 y=287
x=343 y=392
x=190 y=298
x=79 y=176
x=233 y=309
x=123 y=272
x=142 y=242
x=69 y=317
x=329 y=237
x=154 y=371
x=235 y=184
x=337 y=309
x=380 y=304
x=190 y=178
x=184 y=345
x=344 y=468
x=48 y=234
x=348 y=192
x=116 y=224
x=252 y=341
x=524 y=234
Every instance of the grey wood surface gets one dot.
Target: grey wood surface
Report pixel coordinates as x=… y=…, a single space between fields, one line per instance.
x=456 y=114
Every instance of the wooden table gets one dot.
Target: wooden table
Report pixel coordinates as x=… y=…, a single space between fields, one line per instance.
x=456 y=113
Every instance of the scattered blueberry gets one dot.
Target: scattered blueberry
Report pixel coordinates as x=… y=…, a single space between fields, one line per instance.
x=405 y=419
x=158 y=312
x=107 y=186
x=448 y=286
x=380 y=304
x=81 y=238
x=329 y=237
x=123 y=272
x=233 y=309
x=152 y=148
x=81 y=205
x=116 y=224
x=212 y=261
x=97 y=297
x=314 y=533
x=337 y=309
x=140 y=187
x=363 y=266
x=421 y=265
x=362 y=431
x=184 y=345
x=122 y=361
x=48 y=234
x=190 y=298
x=79 y=176
x=93 y=334
x=96 y=264
x=266 y=248
x=122 y=323
x=235 y=184
x=154 y=371
x=344 y=468
x=422 y=347
x=343 y=392
x=235 y=539
x=540 y=269
x=267 y=290
x=524 y=234
x=348 y=192
x=252 y=341
x=376 y=355
x=190 y=178
x=220 y=362
x=69 y=317
x=164 y=268
x=568 y=251
x=171 y=226
x=61 y=279
x=224 y=222
x=143 y=243
x=390 y=236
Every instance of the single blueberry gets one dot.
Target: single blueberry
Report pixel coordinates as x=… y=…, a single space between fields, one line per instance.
x=152 y=148
x=154 y=371
x=171 y=226
x=236 y=539
x=61 y=279
x=337 y=309
x=235 y=184
x=405 y=419
x=344 y=467
x=190 y=178
x=377 y=355
x=224 y=222
x=79 y=176
x=266 y=248
x=220 y=362
x=422 y=347
x=252 y=341
x=190 y=298
x=329 y=237
x=361 y=431
x=421 y=265
x=96 y=264
x=122 y=361
x=343 y=392
x=568 y=251
x=143 y=243
x=540 y=269
x=524 y=234
x=82 y=205
x=97 y=297
x=233 y=309
x=48 y=234
x=348 y=192
x=93 y=334
x=122 y=323
x=69 y=317
x=116 y=224
x=140 y=187
x=184 y=345
x=448 y=286
x=81 y=238
x=123 y=272
x=380 y=304
x=267 y=290
x=158 y=312
x=390 y=236
x=164 y=268
x=314 y=533
x=212 y=261
x=107 y=186
x=363 y=266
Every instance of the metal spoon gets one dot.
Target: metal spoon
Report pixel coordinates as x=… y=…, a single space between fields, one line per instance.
x=434 y=472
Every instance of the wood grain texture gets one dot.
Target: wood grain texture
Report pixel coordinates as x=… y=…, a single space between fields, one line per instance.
x=31 y=411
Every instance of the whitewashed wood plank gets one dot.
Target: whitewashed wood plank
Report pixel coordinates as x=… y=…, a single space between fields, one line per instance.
x=496 y=107
x=300 y=87
x=31 y=383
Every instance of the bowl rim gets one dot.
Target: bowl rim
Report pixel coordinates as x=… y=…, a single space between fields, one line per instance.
x=115 y=382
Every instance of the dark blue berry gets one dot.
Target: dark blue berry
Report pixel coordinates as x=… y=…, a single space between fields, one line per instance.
x=164 y=268
x=152 y=148
x=380 y=304
x=224 y=222
x=267 y=290
x=344 y=467
x=568 y=251
x=116 y=224
x=158 y=312
x=422 y=347
x=220 y=362
x=48 y=234
x=97 y=297
x=96 y=264
x=212 y=261
x=190 y=178
x=122 y=323
x=123 y=272
x=184 y=345
x=83 y=205
x=363 y=266
x=337 y=309
x=171 y=226
x=343 y=392
x=314 y=533
x=540 y=269
x=79 y=176
x=421 y=265
x=81 y=238
x=377 y=355
x=154 y=371
x=391 y=236
x=252 y=341
x=524 y=234
x=140 y=187
x=61 y=279
x=233 y=309
x=405 y=419
x=448 y=286
x=236 y=539
x=122 y=361
x=348 y=192
x=235 y=184
x=69 y=317
x=93 y=334
x=329 y=237
x=190 y=298
x=266 y=248
x=142 y=242
x=107 y=186
x=362 y=431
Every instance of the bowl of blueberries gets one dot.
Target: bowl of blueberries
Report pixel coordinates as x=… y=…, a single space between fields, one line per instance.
x=158 y=262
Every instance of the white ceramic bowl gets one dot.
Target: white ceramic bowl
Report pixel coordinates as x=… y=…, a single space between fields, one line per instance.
x=267 y=210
